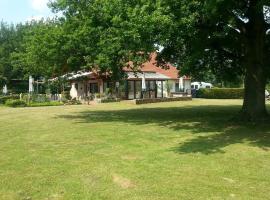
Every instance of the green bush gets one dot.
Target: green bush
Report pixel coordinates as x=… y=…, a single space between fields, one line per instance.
x=3 y=99
x=221 y=93
x=52 y=103
x=15 y=103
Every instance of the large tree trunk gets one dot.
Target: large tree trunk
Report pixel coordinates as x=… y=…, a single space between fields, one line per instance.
x=254 y=97
x=255 y=80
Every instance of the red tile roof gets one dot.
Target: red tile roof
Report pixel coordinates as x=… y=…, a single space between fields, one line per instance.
x=151 y=66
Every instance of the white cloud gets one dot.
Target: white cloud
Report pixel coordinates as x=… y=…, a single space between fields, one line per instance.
x=39 y=5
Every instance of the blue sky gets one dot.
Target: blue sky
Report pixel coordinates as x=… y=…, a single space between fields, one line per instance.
x=22 y=10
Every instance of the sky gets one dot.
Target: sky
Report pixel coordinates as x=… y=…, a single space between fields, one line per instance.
x=15 y=11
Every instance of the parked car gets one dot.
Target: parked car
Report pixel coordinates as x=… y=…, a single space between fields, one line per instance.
x=199 y=85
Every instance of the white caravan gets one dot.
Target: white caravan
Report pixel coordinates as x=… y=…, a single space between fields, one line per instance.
x=199 y=85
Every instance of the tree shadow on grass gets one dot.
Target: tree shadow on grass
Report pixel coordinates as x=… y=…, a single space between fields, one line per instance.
x=211 y=125
x=215 y=143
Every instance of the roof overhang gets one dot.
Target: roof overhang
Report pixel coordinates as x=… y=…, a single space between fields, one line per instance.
x=74 y=76
x=147 y=75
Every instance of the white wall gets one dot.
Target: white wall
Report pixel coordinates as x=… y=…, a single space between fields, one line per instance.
x=80 y=92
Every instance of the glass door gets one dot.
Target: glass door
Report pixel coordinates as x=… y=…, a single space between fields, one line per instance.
x=152 y=89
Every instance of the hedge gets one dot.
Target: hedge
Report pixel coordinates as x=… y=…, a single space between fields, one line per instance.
x=22 y=103
x=159 y=100
x=221 y=93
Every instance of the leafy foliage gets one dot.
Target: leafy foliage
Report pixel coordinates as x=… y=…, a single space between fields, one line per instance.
x=42 y=52
x=209 y=36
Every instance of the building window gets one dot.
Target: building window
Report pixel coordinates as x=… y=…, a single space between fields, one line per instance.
x=94 y=88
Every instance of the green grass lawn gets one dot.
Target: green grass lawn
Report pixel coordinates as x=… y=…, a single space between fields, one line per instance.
x=120 y=151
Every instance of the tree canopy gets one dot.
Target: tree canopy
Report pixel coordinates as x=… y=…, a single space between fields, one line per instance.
x=112 y=32
x=229 y=38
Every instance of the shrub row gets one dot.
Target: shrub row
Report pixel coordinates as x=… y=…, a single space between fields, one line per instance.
x=221 y=93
